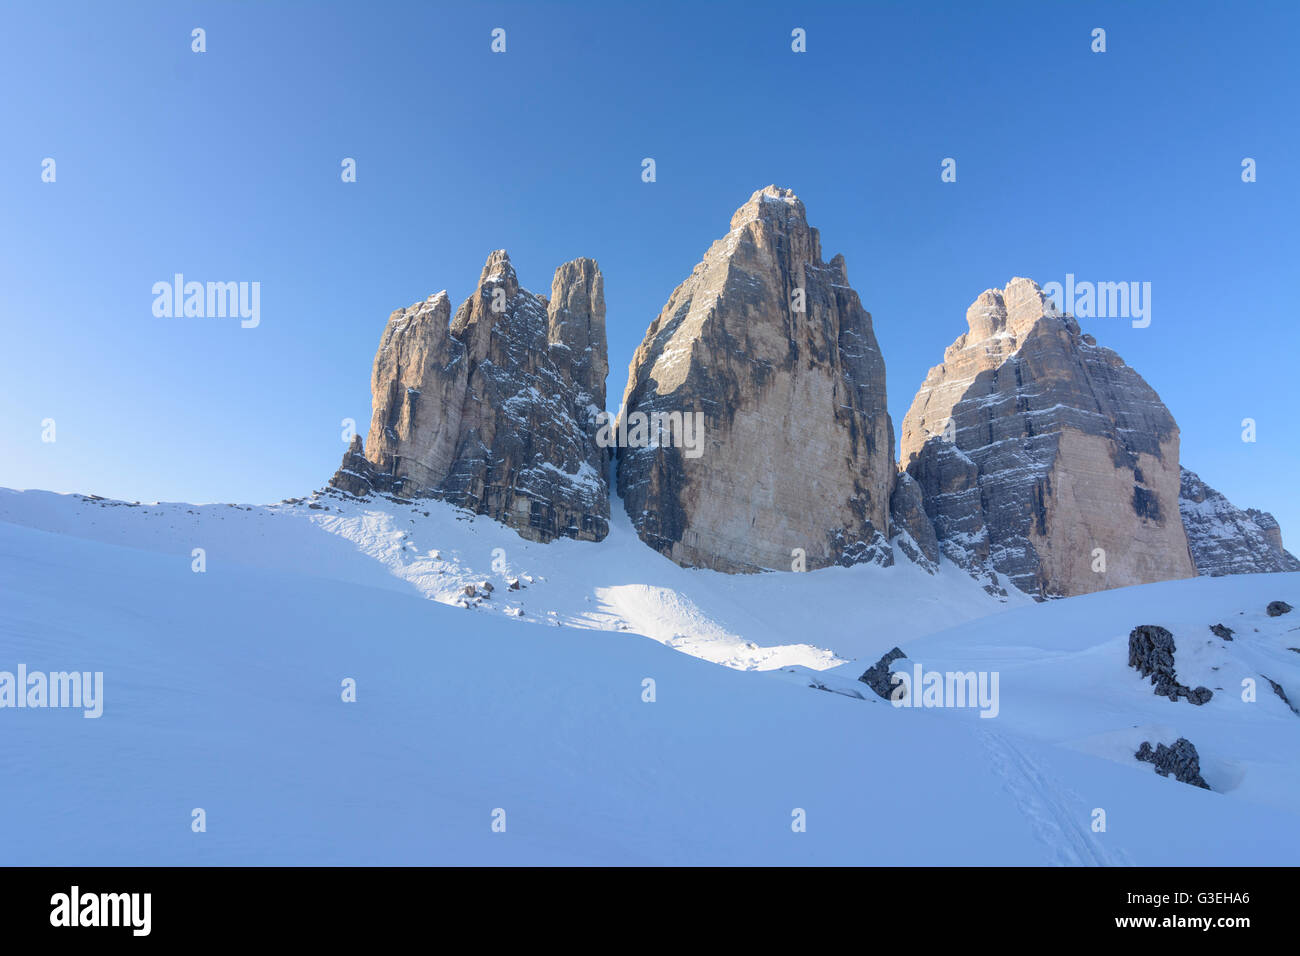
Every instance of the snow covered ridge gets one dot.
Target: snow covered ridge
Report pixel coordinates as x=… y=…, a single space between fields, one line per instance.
x=433 y=550
x=1224 y=539
x=224 y=696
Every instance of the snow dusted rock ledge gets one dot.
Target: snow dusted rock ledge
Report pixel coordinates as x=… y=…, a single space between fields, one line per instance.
x=1224 y=539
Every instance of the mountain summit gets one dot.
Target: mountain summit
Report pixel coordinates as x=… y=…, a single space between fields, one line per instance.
x=494 y=411
x=771 y=346
x=1042 y=456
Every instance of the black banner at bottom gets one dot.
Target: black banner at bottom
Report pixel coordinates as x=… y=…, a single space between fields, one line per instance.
x=338 y=905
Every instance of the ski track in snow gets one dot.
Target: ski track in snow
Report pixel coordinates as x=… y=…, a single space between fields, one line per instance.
x=1057 y=816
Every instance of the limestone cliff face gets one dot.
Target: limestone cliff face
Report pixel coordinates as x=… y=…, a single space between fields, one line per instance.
x=1034 y=447
x=910 y=527
x=494 y=409
x=1227 y=540
x=773 y=348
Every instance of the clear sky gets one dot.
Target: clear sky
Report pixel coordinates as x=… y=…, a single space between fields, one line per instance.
x=225 y=166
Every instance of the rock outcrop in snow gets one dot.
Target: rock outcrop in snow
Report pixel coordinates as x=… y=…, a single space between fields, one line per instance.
x=773 y=348
x=1181 y=760
x=1042 y=456
x=880 y=675
x=494 y=410
x=1227 y=540
x=1151 y=651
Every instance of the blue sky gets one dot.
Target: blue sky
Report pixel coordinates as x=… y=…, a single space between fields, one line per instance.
x=1122 y=166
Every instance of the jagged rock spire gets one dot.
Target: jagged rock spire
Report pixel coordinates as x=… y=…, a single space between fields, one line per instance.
x=494 y=409
x=1042 y=456
x=772 y=350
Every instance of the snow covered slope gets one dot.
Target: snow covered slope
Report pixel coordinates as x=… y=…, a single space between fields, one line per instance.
x=619 y=584
x=222 y=691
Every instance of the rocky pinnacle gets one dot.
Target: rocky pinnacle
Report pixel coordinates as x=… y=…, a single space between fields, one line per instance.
x=771 y=346
x=494 y=409
x=1043 y=457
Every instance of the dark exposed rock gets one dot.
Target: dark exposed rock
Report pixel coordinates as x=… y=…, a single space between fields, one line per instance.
x=1225 y=539
x=494 y=410
x=878 y=675
x=1151 y=650
x=875 y=551
x=1277 y=689
x=1181 y=760
x=1278 y=608
x=1220 y=630
x=910 y=527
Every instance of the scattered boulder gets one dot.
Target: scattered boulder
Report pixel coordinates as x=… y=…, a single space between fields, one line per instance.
x=1220 y=630
x=1151 y=650
x=1181 y=760
x=877 y=676
x=1278 y=608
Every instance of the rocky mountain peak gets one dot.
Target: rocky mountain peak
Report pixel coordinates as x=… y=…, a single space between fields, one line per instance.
x=773 y=204
x=1037 y=451
x=1011 y=311
x=498 y=269
x=771 y=349
x=494 y=409
x=576 y=322
x=772 y=217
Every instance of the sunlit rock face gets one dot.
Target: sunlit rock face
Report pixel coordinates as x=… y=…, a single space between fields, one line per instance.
x=494 y=409
x=771 y=348
x=1043 y=457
